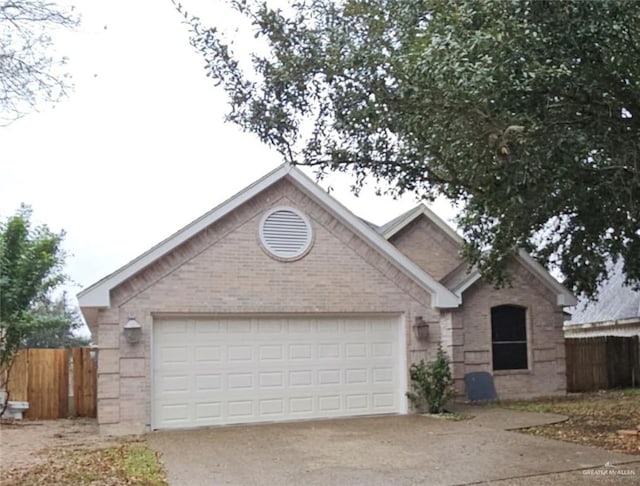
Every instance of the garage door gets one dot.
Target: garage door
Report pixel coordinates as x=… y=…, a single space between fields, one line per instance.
x=232 y=371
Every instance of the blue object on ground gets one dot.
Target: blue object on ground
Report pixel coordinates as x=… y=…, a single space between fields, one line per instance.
x=480 y=387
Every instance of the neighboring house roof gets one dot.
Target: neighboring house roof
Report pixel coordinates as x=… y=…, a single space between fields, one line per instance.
x=615 y=301
x=461 y=278
x=98 y=295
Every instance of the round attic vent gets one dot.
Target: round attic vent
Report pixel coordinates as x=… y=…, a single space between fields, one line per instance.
x=285 y=233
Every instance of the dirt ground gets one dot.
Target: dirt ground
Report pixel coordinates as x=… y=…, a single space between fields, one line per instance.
x=26 y=443
x=593 y=419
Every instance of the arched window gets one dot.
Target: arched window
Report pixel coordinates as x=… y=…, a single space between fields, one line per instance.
x=509 y=337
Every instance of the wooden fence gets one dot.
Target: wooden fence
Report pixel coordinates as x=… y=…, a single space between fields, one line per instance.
x=85 y=387
x=41 y=377
x=596 y=363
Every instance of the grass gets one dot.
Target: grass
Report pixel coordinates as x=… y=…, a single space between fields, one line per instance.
x=131 y=464
x=594 y=418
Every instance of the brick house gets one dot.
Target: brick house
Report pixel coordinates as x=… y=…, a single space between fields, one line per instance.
x=280 y=304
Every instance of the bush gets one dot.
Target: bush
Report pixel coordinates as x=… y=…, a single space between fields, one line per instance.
x=432 y=384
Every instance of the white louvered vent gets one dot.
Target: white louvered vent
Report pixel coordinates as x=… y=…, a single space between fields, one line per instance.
x=285 y=233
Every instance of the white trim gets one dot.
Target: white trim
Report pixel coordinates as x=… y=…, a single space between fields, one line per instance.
x=441 y=296
x=564 y=297
x=471 y=278
x=419 y=210
x=151 y=375
x=98 y=294
x=404 y=364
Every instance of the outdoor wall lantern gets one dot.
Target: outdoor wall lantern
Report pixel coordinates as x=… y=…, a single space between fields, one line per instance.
x=421 y=328
x=132 y=331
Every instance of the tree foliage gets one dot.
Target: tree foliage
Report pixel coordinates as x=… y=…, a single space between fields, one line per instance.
x=27 y=75
x=527 y=113
x=55 y=325
x=31 y=261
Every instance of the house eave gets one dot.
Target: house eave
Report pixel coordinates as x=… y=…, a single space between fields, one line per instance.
x=420 y=210
x=98 y=294
x=564 y=297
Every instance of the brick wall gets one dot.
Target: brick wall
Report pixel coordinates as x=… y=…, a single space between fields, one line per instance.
x=428 y=246
x=223 y=270
x=471 y=348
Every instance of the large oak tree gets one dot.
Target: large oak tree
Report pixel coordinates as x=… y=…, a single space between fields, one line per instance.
x=525 y=112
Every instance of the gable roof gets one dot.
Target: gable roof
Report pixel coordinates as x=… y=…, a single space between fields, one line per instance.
x=98 y=294
x=615 y=301
x=396 y=225
x=564 y=297
x=461 y=278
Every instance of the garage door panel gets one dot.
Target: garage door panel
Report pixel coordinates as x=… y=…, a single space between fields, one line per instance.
x=382 y=375
x=355 y=351
x=172 y=384
x=174 y=355
x=271 y=352
x=208 y=382
x=224 y=371
x=272 y=407
x=208 y=353
x=208 y=410
x=271 y=379
x=208 y=327
x=300 y=378
x=328 y=350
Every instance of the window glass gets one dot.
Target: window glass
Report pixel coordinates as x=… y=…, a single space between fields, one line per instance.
x=509 y=337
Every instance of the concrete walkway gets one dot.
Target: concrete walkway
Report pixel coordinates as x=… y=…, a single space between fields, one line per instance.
x=504 y=419
x=392 y=450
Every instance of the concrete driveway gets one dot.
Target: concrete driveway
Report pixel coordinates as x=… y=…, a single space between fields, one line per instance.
x=397 y=450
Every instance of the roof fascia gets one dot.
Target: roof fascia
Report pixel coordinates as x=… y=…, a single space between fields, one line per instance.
x=442 y=297
x=419 y=210
x=564 y=297
x=97 y=295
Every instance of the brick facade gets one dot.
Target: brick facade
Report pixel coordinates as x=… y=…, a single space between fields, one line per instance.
x=428 y=246
x=545 y=375
x=466 y=332
x=223 y=270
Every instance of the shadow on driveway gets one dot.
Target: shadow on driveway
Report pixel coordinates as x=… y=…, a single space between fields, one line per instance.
x=397 y=450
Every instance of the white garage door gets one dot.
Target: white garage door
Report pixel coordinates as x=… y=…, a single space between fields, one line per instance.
x=231 y=371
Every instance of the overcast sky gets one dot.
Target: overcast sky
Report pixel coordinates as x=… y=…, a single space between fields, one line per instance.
x=140 y=147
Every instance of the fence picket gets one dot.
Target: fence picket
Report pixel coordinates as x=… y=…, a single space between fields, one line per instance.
x=41 y=377
x=595 y=363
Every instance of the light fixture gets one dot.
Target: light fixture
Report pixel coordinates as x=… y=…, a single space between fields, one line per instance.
x=132 y=330
x=421 y=328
